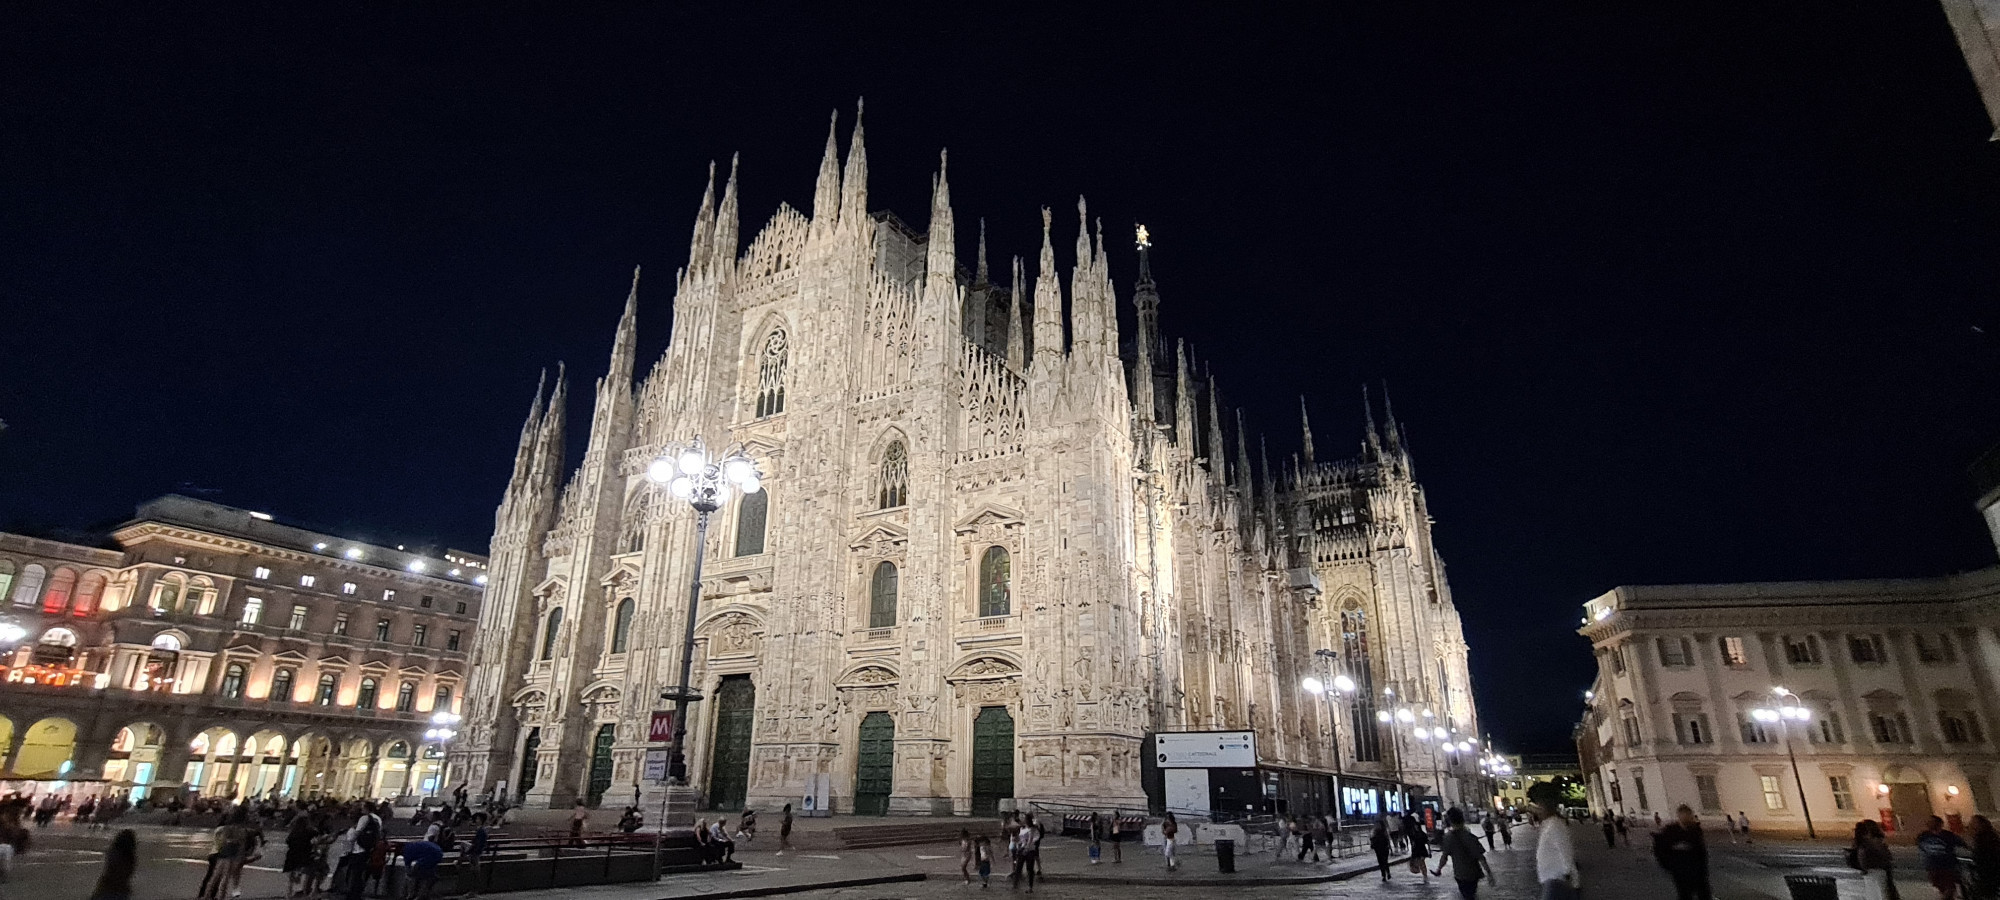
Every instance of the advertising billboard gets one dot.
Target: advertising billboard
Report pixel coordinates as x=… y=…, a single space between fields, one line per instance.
x=1206 y=750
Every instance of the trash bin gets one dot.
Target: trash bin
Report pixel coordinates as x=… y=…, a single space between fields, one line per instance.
x=1225 y=855
x=1812 y=887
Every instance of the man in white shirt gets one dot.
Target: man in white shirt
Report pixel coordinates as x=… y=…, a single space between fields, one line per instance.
x=1555 y=856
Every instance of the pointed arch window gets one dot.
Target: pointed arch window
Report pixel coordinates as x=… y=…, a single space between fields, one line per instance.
x=882 y=596
x=550 y=632
x=621 y=626
x=995 y=582
x=771 y=360
x=894 y=477
x=751 y=516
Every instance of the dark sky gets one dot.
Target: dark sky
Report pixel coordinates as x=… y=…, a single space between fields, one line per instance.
x=1664 y=292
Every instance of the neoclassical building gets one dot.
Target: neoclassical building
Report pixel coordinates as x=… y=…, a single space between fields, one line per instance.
x=215 y=651
x=999 y=545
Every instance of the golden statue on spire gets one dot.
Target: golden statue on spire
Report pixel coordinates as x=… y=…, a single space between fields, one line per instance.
x=1145 y=240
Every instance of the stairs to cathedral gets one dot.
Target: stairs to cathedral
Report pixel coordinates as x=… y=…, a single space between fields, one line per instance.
x=900 y=834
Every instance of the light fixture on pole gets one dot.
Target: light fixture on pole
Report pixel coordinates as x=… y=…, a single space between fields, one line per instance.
x=1784 y=714
x=706 y=484
x=1333 y=684
x=444 y=727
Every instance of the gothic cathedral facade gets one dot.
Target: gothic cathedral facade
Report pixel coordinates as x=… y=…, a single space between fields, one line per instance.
x=997 y=546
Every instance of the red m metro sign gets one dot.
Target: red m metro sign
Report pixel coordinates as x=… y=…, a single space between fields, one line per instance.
x=663 y=727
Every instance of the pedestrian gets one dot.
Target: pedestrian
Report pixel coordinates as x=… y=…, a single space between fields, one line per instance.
x=982 y=854
x=1286 y=825
x=1468 y=859
x=1610 y=833
x=746 y=828
x=120 y=861
x=1743 y=822
x=1939 y=849
x=1730 y=821
x=1555 y=855
x=785 y=831
x=1169 y=829
x=1117 y=831
x=1096 y=839
x=1420 y=851
x=299 y=855
x=230 y=840
x=1507 y=831
x=1395 y=831
x=1486 y=825
x=367 y=834
x=718 y=835
x=965 y=854
x=475 y=850
x=1985 y=859
x=579 y=818
x=1624 y=824
x=420 y=862
x=1379 y=842
x=1029 y=845
x=1872 y=857
x=1306 y=845
x=1680 y=850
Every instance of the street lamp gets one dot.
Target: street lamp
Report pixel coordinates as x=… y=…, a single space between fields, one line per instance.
x=444 y=727
x=1334 y=684
x=706 y=485
x=1784 y=714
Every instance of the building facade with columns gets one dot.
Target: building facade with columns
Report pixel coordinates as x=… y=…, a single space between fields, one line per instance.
x=215 y=651
x=998 y=546
x=1893 y=688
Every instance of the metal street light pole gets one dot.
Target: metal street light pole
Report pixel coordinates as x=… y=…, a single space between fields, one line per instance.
x=444 y=728
x=1782 y=715
x=705 y=485
x=1329 y=686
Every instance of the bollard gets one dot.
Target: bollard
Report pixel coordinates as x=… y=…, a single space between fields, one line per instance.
x=1225 y=855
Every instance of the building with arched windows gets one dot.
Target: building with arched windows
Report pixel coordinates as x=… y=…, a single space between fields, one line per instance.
x=1000 y=546
x=215 y=651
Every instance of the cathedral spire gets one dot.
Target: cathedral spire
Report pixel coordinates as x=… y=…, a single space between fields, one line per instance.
x=979 y=273
x=704 y=225
x=1146 y=300
x=725 y=224
x=524 y=451
x=1218 y=452
x=1306 y=426
x=1085 y=328
x=941 y=262
x=1016 y=353
x=1107 y=300
x=624 y=345
x=1389 y=416
x=1048 y=307
x=1242 y=455
x=547 y=465
x=1368 y=413
x=826 y=191
x=854 y=182
x=1184 y=408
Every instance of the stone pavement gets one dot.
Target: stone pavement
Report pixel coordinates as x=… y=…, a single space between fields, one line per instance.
x=64 y=863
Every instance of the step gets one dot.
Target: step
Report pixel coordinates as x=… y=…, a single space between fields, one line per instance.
x=902 y=834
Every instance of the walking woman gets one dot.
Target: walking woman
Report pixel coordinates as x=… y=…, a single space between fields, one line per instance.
x=1379 y=842
x=300 y=855
x=119 y=863
x=1420 y=855
x=1169 y=829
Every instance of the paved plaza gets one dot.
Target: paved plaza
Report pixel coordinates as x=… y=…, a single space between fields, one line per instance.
x=65 y=862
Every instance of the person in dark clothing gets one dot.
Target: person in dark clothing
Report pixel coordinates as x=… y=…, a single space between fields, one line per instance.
x=1985 y=859
x=1610 y=833
x=1939 y=849
x=115 y=882
x=1487 y=826
x=1379 y=842
x=1624 y=830
x=1680 y=849
x=1468 y=859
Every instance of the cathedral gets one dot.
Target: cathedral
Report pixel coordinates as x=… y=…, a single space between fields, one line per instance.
x=998 y=547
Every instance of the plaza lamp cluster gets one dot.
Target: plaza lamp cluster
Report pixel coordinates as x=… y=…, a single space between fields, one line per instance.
x=444 y=727
x=1422 y=726
x=1786 y=710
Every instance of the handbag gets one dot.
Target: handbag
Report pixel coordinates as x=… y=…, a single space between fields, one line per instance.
x=1416 y=865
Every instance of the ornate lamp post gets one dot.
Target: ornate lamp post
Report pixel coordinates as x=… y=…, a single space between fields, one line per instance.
x=706 y=484
x=1784 y=713
x=1333 y=684
x=444 y=727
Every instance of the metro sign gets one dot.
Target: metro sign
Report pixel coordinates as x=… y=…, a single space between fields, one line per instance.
x=663 y=727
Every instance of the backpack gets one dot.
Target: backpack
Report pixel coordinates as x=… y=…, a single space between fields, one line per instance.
x=366 y=835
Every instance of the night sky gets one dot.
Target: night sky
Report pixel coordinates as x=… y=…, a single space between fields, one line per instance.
x=1663 y=292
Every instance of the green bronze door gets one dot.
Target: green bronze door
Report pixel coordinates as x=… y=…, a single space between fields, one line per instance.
x=875 y=766
x=529 y=766
x=729 y=764
x=600 y=764
x=992 y=760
